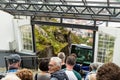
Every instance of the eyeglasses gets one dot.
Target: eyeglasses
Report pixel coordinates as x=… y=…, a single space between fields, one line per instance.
x=51 y=65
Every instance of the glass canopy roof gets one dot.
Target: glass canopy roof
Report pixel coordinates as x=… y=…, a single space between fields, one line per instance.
x=105 y=10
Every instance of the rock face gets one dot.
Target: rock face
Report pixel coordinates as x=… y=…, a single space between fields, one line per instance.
x=53 y=41
x=47 y=52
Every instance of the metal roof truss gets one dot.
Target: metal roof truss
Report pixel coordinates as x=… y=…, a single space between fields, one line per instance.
x=89 y=12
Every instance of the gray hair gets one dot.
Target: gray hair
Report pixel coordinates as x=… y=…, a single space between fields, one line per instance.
x=94 y=66
x=57 y=60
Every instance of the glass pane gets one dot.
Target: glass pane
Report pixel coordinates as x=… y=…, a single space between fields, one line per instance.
x=26 y=37
x=84 y=53
x=105 y=47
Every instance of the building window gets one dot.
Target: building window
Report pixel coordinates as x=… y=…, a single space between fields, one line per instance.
x=26 y=38
x=105 y=47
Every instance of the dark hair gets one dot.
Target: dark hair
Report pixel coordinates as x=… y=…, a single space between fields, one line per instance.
x=108 y=71
x=71 y=60
x=73 y=54
x=43 y=66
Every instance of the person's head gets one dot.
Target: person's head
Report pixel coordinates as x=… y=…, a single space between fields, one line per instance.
x=14 y=60
x=43 y=66
x=62 y=56
x=73 y=54
x=11 y=77
x=93 y=66
x=108 y=71
x=71 y=60
x=92 y=77
x=25 y=74
x=54 y=64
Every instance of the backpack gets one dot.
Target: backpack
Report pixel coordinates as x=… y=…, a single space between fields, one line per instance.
x=60 y=75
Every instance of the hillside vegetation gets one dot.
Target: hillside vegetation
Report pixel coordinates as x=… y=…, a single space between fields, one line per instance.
x=57 y=37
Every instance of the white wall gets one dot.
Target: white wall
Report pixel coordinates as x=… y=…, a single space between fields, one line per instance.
x=6 y=30
x=10 y=30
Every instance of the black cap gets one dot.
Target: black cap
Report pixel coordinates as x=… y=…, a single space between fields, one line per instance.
x=14 y=58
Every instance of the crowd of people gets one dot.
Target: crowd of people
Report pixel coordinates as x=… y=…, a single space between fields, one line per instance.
x=60 y=68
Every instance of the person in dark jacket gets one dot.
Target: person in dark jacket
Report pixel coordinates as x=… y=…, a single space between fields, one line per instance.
x=55 y=69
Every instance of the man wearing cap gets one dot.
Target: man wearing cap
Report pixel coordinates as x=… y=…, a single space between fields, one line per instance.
x=14 y=61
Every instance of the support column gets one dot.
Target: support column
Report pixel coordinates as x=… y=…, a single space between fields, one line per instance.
x=94 y=36
x=33 y=36
x=96 y=47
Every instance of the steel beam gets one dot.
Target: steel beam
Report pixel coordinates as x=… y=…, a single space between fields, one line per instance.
x=88 y=27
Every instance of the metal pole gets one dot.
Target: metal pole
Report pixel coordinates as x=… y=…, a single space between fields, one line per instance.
x=94 y=36
x=6 y=64
x=61 y=20
x=33 y=36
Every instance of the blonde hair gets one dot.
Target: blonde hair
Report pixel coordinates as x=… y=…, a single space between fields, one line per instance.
x=92 y=77
x=61 y=55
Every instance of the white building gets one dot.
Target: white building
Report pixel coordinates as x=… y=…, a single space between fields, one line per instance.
x=15 y=33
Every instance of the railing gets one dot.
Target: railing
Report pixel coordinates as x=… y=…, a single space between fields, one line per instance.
x=26 y=62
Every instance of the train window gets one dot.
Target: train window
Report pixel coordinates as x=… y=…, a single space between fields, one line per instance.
x=84 y=53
